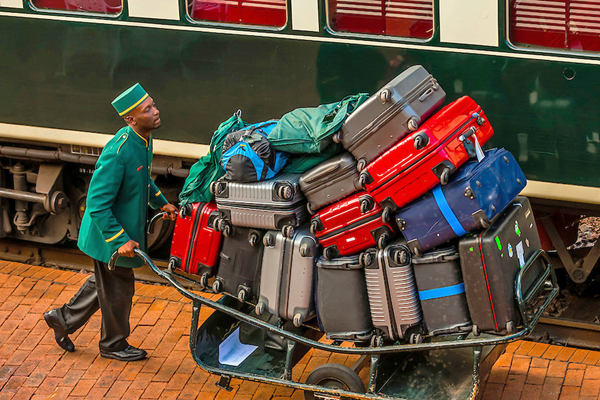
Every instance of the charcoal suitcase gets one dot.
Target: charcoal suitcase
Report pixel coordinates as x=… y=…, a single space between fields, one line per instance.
x=240 y=264
x=490 y=261
x=393 y=298
x=475 y=194
x=427 y=157
x=195 y=245
x=330 y=181
x=351 y=225
x=442 y=292
x=341 y=286
x=286 y=281
x=387 y=116
x=274 y=204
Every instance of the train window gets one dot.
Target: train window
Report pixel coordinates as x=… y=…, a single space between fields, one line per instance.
x=556 y=24
x=406 y=18
x=272 y=13
x=98 y=6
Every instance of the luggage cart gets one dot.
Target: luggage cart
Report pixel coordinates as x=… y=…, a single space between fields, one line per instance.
x=447 y=367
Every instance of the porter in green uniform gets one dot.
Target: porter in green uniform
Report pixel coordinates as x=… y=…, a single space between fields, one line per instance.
x=115 y=220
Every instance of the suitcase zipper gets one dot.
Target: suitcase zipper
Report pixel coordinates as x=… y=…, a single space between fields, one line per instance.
x=391 y=112
x=352 y=226
x=193 y=238
x=430 y=153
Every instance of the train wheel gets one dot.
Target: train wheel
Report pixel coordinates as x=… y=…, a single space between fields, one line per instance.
x=334 y=376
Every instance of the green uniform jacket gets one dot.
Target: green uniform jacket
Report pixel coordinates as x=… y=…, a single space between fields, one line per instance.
x=118 y=197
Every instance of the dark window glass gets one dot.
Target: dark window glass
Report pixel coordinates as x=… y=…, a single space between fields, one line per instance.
x=248 y=12
x=98 y=6
x=406 y=18
x=556 y=24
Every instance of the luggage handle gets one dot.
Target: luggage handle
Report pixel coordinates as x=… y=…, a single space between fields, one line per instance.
x=158 y=216
x=469 y=146
x=327 y=171
x=426 y=94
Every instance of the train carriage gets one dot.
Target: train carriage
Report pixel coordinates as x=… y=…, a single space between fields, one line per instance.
x=532 y=65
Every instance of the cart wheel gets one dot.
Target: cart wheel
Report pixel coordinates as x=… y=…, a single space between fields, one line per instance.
x=314 y=226
x=362 y=163
x=416 y=338
x=328 y=253
x=309 y=208
x=376 y=341
x=204 y=280
x=298 y=320
x=337 y=137
x=445 y=176
x=217 y=286
x=382 y=241
x=242 y=295
x=510 y=327
x=260 y=308
x=227 y=230
x=288 y=231
x=334 y=376
x=386 y=215
x=476 y=331
x=171 y=266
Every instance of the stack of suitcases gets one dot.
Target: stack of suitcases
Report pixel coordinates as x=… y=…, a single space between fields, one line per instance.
x=413 y=231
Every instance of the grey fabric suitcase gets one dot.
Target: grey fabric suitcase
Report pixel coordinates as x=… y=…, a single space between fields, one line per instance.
x=274 y=204
x=392 y=291
x=387 y=116
x=341 y=286
x=330 y=181
x=286 y=282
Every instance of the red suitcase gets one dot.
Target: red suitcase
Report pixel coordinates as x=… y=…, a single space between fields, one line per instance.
x=351 y=225
x=427 y=157
x=196 y=245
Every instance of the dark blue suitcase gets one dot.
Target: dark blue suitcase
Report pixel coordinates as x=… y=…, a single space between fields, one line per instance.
x=476 y=193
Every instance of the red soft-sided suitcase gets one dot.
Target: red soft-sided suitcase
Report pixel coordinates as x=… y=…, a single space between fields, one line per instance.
x=196 y=245
x=427 y=157
x=351 y=225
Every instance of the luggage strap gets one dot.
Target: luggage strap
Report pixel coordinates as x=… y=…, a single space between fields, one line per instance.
x=441 y=292
x=444 y=207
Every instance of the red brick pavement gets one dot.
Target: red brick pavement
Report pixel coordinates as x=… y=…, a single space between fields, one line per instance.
x=32 y=366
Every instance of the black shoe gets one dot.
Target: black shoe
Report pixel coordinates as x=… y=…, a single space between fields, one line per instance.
x=129 y=354
x=53 y=319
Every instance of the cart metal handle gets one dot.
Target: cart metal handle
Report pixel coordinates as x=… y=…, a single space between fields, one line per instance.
x=547 y=278
x=158 y=216
x=327 y=347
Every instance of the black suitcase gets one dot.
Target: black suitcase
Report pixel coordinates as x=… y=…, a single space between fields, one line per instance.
x=341 y=286
x=442 y=292
x=240 y=263
x=490 y=261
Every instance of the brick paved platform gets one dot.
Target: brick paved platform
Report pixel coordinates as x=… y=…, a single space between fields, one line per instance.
x=33 y=366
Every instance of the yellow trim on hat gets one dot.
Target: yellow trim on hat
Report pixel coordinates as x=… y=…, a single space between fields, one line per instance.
x=158 y=194
x=134 y=105
x=116 y=236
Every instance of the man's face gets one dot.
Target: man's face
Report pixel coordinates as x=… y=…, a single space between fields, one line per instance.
x=146 y=115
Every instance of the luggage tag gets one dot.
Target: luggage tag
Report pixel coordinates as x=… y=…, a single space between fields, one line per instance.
x=478 y=150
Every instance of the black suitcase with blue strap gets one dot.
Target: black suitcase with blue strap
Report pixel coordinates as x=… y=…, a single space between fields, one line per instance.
x=475 y=194
x=442 y=292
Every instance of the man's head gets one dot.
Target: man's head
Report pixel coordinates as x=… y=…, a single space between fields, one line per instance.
x=138 y=109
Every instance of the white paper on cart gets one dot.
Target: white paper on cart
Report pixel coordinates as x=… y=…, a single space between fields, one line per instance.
x=232 y=351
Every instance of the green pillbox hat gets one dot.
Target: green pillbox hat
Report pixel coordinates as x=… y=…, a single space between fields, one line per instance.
x=129 y=99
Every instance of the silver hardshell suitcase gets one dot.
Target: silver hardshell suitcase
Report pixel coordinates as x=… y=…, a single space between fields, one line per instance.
x=386 y=117
x=392 y=291
x=286 y=282
x=274 y=204
x=330 y=181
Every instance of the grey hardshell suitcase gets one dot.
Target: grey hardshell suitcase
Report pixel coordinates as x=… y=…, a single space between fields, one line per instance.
x=274 y=204
x=330 y=181
x=392 y=291
x=390 y=114
x=286 y=282
x=341 y=286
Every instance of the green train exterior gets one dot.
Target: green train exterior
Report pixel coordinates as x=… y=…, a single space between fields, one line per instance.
x=60 y=70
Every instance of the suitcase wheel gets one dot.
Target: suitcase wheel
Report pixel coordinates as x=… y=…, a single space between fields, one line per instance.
x=476 y=331
x=216 y=224
x=366 y=204
x=484 y=223
x=337 y=137
x=328 y=253
x=445 y=176
x=333 y=376
x=216 y=187
x=298 y=320
x=400 y=257
x=420 y=140
x=268 y=240
x=171 y=266
x=416 y=338
x=260 y=308
x=386 y=215
x=413 y=124
x=385 y=95
x=204 y=280
x=361 y=164
x=362 y=181
x=242 y=295
x=314 y=225
x=288 y=231
x=383 y=240
x=510 y=327
x=376 y=341
x=304 y=250
x=365 y=259
x=217 y=286
x=309 y=208
x=226 y=229
x=285 y=192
